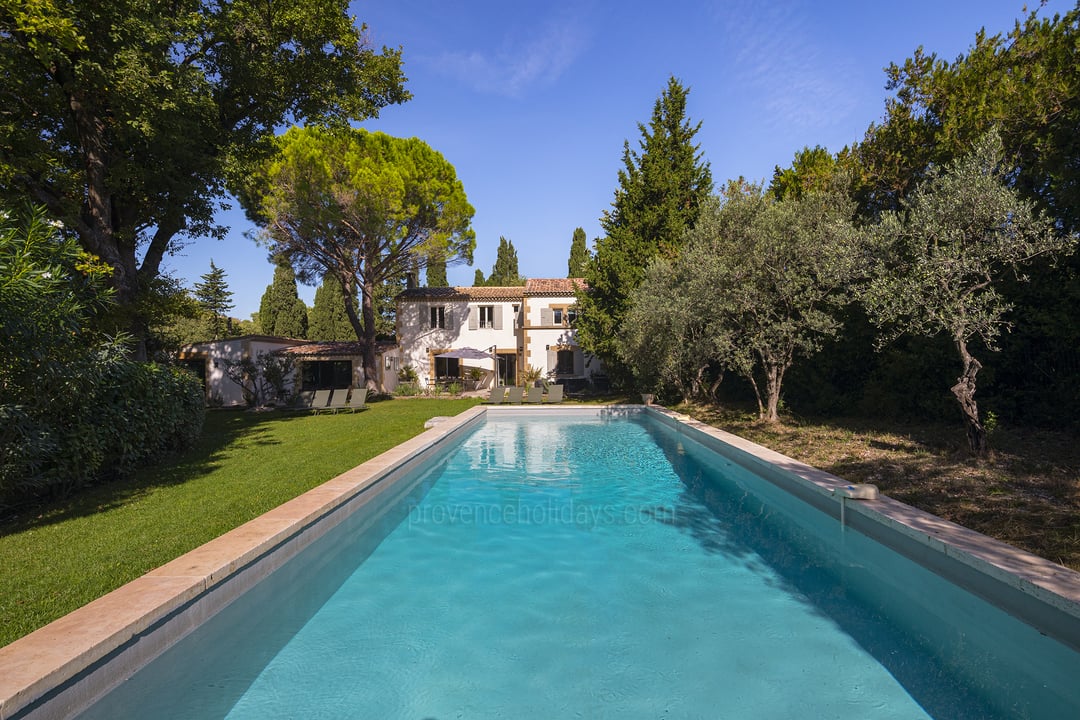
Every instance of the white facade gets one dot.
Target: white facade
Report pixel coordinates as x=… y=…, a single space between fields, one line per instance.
x=528 y=326
x=209 y=360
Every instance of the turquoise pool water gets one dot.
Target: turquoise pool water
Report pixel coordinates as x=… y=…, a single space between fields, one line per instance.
x=601 y=568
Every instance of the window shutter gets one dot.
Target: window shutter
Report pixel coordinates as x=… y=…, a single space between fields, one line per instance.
x=552 y=360
x=546 y=317
x=498 y=317
x=473 y=312
x=579 y=362
x=448 y=318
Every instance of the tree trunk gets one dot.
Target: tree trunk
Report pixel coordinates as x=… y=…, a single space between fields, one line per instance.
x=964 y=390
x=774 y=378
x=367 y=307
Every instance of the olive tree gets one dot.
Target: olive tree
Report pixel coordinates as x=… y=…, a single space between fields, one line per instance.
x=938 y=262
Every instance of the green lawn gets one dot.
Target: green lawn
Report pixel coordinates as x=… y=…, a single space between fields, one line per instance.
x=66 y=554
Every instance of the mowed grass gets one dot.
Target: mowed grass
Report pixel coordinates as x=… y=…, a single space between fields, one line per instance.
x=61 y=556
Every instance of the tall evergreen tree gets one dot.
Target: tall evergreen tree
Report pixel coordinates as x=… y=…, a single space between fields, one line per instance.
x=281 y=311
x=478 y=278
x=661 y=190
x=215 y=298
x=579 y=255
x=328 y=320
x=386 y=294
x=504 y=273
x=435 y=274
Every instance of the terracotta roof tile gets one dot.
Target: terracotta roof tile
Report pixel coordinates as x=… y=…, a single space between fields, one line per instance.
x=553 y=286
x=335 y=349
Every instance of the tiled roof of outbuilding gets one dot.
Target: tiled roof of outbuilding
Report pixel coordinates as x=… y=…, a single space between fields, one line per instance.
x=335 y=349
x=554 y=286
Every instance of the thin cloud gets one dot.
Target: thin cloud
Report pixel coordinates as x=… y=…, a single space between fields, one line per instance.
x=798 y=86
x=516 y=67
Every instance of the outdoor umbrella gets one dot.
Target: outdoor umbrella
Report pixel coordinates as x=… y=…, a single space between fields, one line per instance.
x=467 y=353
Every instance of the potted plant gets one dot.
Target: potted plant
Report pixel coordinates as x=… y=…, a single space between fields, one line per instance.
x=531 y=375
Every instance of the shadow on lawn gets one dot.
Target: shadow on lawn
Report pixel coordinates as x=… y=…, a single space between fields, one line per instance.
x=222 y=429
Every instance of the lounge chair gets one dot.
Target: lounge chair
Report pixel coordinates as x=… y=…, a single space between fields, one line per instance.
x=554 y=394
x=339 y=400
x=498 y=392
x=513 y=395
x=536 y=395
x=320 y=401
x=358 y=400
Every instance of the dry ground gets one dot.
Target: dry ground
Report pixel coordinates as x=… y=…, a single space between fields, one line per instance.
x=1026 y=494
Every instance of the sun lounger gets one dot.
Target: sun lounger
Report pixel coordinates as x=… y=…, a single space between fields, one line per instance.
x=358 y=400
x=536 y=395
x=339 y=400
x=497 y=394
x=554 y=394
x=320 y=401
x=513 y=395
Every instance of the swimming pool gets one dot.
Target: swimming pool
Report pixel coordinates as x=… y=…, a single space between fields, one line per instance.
x=602 y=564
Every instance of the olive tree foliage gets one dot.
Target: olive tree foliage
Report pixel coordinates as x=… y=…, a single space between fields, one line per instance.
x=126 y=119
x=363 y=208
x=938 y=262
x=758 y=284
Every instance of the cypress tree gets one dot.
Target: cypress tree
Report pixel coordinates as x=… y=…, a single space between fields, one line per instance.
x=661 y=190
x=281 y=311
x=505 y=271
x=435 y=274
x=579 y=255
x=328 y=320
x=215 y=298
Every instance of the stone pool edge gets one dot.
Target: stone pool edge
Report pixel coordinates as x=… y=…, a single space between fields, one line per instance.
x=54 y=671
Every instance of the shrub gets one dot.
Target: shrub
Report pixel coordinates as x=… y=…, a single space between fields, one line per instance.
x=73 y=409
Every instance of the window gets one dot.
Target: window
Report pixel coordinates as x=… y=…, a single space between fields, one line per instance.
x=517 y=320
x=564 y=362
x=438 y=317
x=571 y=316
x=487 y=316
x=447 y=367
x=325 y=374
x=557 y=316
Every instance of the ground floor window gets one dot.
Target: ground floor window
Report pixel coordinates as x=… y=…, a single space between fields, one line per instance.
x=564 y=362
x=447 y=367
x=325 y=374
x=507 y=369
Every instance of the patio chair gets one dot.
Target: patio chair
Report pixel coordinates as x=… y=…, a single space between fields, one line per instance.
x=358 y=400
x=535 y=396
x=554 y=394
x=498 y=392
x=320 y=401
x=339 y=400
x=513 y=395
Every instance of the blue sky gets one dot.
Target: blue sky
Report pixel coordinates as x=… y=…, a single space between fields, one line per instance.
x=532 y=101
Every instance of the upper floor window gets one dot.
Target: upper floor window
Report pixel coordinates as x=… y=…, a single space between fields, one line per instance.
x=487 y=316
x=557 y=316
x=438 y=317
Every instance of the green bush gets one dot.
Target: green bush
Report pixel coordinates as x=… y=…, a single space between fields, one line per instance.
x=73 y=408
